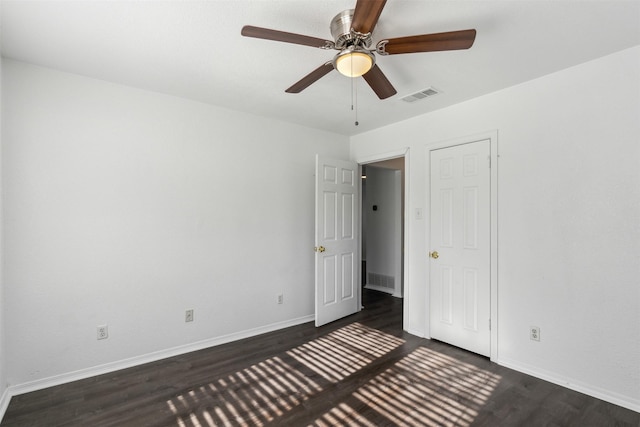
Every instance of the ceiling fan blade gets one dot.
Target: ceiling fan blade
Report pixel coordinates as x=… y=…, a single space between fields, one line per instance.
x=366 y=14
x=282 y=36
x=310 y=78
x=453 y=40
x=379 y=83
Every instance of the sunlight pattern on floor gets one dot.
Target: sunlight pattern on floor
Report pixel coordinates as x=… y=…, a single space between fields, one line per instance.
x=411 y=393
x=261 y=393
x=345 y=351
x=264 y=391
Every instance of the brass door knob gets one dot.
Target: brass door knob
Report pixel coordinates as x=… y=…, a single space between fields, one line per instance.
x=434 y=254
x=319 y=249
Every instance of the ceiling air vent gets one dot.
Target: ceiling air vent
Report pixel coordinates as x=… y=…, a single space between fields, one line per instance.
x=426 y=93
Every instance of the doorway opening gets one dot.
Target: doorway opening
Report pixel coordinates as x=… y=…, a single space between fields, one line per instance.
x=382 y=226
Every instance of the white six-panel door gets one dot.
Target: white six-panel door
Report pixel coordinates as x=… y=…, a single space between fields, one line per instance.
x=337 y=219
x=460 y=245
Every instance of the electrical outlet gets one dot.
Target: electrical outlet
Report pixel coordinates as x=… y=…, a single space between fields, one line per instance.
x=534 y=333
x=280 y=298
x=103 y=332
x=188 y=316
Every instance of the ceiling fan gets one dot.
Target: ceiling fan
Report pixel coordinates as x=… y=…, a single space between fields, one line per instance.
x=352 y=30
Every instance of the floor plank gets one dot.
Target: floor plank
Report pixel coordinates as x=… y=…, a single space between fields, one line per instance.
x=359 y=371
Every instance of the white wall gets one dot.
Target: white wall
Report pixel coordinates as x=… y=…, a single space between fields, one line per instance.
x=126 y=207
x=568 y=209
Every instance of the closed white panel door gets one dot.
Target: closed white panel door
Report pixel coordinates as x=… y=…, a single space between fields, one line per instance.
x=460 y=242
x=336 y=239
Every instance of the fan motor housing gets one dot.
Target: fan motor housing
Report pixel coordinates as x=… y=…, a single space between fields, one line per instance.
x=343 y=34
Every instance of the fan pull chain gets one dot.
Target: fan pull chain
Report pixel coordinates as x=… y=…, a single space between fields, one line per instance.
x=354 y=95
x=356 y=91
x=351 y=93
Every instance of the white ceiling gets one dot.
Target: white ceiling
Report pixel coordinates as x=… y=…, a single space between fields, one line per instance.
x=194 y=49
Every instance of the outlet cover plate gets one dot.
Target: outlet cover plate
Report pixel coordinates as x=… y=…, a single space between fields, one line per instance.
x=534 y=333
x=103 y=332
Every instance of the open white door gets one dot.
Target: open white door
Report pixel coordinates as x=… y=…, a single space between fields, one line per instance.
x=336 y=247
x=460 y=290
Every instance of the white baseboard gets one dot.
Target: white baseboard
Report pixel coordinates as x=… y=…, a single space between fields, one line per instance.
x=382 y=289
x=4 y=402
x=81 y=374
x=572 y=384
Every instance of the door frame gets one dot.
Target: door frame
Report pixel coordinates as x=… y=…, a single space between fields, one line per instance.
x=403 y=152
x=492 y=136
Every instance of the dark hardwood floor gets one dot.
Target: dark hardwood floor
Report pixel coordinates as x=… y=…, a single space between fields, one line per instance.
x=359 y=371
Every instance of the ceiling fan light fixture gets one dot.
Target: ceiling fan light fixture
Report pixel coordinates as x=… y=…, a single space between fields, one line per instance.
x=353 y=63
